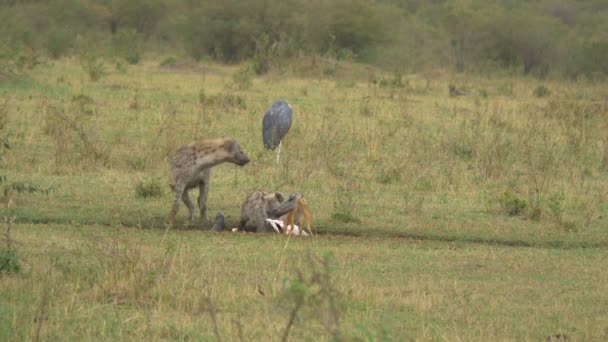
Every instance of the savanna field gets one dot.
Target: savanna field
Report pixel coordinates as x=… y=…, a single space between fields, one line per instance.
x=475 y=217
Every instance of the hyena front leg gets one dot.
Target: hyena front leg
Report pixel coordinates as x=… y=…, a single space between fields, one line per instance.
x=179 y=189
x=203 y=192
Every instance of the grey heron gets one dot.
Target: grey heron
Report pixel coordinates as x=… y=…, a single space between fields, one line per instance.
x=275 y=125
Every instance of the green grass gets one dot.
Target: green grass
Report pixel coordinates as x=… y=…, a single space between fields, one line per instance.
x=406 y=187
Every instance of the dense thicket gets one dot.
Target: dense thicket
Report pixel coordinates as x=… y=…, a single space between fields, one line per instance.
x=559 y=37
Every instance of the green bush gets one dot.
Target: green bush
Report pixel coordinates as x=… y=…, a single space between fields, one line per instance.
x=169 y=61
x=344 y=207
x=590 y=61
x=556 y=205
x=149 y=189
x=520 y=40
x=127 y=44
x=355 y=26
x=243 y=78
x=9 y=260
x=93 y=66
x=541 y=91
x=141 y=16
x=59 y=42
x=512 y=204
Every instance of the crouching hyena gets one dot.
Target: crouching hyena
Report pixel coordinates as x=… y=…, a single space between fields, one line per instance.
x=260 y=205
x=191 y=167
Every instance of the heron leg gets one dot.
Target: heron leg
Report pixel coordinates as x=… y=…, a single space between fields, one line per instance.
x=278 y=153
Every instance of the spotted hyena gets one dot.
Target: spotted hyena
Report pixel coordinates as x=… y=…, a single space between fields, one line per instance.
x=191 y=167
x=260 y=205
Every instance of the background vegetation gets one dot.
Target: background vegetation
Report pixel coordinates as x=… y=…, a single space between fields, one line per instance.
x=552 y=37
x=456 y=198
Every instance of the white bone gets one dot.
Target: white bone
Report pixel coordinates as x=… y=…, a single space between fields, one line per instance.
x=279 y=225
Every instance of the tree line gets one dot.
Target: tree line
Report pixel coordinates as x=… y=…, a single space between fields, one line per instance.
x=551 y=37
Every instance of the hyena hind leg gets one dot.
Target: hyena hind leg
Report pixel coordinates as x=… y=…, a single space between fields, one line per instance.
x=188 y=203
x=179 y=191
x=203 y=187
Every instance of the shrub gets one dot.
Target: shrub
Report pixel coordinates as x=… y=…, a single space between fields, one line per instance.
x=511 y=203
x=520 y=40
x=94 y=67
x=541 y=91
x=354 y=26
x=590 y=61
x=312 y=292
x=149 y=188
x=141 y=16
x=9 y=260
x=77 y=124
x=243 y=78
x=127 y=44
x=556 y=205
x=168 y=62
x=344 y=207
x=59 y=42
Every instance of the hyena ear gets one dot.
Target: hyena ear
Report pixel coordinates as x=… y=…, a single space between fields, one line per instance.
x=279 y=197
x=231 y=146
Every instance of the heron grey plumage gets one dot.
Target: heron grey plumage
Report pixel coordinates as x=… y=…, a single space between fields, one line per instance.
x=275 y=125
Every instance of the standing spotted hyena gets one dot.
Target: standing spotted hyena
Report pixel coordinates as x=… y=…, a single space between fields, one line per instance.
x=260 y=205
x=191 y=167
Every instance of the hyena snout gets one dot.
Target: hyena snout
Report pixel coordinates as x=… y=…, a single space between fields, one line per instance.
x=241 y=159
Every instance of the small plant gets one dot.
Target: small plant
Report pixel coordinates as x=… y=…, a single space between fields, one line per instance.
x=9 y=260
x=27 y=60
x=133 y=57
x=125 y=276
x=367 y=107
x=222 y=99
x=313 y=294
x=135 y=102
x=541 y=91
x=263 y=55
x=344 y=207
x=149 y=188
x=243 y=78
x=397 y=81
x=389 y=174
x=127 y=45
x=512 y=204
x=505 y=89
x=168 y=62
x=93 y=66
x=73 y=122
x=556 y=205
x=330 y=70
x=84 y=103
x=58 y=42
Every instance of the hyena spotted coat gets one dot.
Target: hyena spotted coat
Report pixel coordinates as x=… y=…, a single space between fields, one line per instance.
x=191 y=167
x=259 y=206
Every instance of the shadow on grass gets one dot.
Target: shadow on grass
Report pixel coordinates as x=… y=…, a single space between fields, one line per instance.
x=158 y=223
x=557 y=244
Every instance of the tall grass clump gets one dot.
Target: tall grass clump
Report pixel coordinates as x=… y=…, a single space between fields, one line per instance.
x=127 y=44
x=79 y=123
x=312 y=293
x=10 y=262
x=149 y=188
